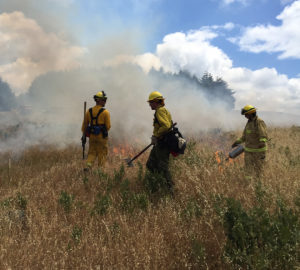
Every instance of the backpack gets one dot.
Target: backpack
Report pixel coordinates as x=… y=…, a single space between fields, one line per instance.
x=175 y=142
x=173 y=139
x=96 y=129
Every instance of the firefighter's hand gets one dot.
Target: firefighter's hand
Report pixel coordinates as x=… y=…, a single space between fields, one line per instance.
x=234 y=144
x=83 y=139
x=154 y=140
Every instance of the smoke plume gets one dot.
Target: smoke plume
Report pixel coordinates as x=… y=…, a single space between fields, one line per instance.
x=52 y=109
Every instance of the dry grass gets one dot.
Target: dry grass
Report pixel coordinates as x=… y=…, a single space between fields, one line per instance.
x=71 y=231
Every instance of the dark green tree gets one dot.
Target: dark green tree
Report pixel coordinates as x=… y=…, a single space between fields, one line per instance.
x=217 y=89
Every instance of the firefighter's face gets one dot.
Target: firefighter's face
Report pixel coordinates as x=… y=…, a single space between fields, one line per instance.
x=153 y=104
x=249 y=116
x=102 y=102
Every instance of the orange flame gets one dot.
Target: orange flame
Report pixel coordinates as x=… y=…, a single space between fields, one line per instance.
x=218 y=159
x=122 y=150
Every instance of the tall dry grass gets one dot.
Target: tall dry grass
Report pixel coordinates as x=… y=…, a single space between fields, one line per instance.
x=54 y=217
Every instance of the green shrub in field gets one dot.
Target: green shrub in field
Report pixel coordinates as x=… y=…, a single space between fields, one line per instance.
x=7 y=202
x=101 y=204
x=198 y=253
x=154 y=182
x=18 y=202
x=127 y=197
x=191 y=210
x=142 y=201
x=102 y=175
x=21 y=201
x=140 y=175
x=14 y=212
x=258 y=238
x=115 y=230
x=119 y=175
x=66 y=201
x=131 y=200
x=76 y=234
x=112 y=182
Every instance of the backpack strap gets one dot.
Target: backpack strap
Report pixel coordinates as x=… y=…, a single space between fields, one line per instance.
x=155 y=119
x=95 y=118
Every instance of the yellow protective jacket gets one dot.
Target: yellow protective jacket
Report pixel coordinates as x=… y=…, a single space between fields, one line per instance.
x=162 y=122
x=103 y=119
x=254 y=136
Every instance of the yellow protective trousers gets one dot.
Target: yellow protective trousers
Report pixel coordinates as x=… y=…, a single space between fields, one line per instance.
x=254 y=164
x=97 y=149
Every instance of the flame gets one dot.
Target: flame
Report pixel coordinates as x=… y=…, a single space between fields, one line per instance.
x=219 y=156
x=218 y=159
x=118 y=151
x=230 y=161
x=122 y=150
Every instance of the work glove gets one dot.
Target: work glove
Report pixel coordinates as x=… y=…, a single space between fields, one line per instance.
x=234 y=144
x=83 y=139
x=154 y=140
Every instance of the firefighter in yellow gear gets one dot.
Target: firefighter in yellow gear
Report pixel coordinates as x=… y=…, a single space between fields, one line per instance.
x=255 y=138
x=96 y=124
x=158 y=161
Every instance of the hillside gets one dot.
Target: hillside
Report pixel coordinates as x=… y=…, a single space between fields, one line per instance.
x=54 y=217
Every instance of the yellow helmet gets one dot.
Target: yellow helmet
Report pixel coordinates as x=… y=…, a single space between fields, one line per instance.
x=248 y=109
x=155 y=95
x=100 y=95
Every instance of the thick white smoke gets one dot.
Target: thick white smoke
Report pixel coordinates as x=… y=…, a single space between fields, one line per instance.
x=27 y=51
x=54 y=106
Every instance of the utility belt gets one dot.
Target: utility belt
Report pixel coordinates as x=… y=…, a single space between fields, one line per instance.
x=97 y=130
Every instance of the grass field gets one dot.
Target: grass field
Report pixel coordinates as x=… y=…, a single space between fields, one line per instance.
x=54 y=217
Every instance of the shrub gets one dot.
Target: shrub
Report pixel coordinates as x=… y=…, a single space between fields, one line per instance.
x=101 y=204
x=21 y=201
x=131 y=200
x=258 y=238
x=154 y=182
x=191 y=210
x=198 y=253
x=66 y=201
x=76 y=234
x=115 y=180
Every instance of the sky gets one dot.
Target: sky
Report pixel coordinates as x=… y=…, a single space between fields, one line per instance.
x=251 y=44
